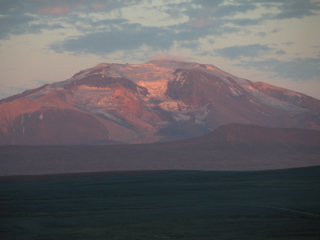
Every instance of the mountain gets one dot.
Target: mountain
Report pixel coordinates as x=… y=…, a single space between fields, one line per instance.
x=254 y=137
x=151 y=102
x=226 y=148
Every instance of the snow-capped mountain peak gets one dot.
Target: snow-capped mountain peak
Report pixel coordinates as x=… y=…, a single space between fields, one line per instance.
x=154 y=101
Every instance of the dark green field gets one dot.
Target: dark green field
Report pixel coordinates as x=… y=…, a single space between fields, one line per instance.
x=279 y=204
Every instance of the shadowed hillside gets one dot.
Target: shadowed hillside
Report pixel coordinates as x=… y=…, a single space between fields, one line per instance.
x=231 y=147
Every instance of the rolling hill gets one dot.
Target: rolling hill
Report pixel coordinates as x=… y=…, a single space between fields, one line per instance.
x=231 y=147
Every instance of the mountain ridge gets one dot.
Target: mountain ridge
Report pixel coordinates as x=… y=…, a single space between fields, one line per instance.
x=217 y=150
x=151 y=102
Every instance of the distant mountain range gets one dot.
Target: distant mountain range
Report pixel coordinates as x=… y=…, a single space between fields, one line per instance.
x=152 y=102
x=229 y=148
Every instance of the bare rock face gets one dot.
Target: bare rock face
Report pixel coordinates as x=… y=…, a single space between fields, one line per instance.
x=150 y=102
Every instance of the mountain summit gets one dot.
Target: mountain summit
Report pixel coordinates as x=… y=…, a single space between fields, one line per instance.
x=140 y=103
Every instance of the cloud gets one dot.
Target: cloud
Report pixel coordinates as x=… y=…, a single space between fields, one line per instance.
x=234 y=8
x=288 y=43
x=213 y=16
x=220 y=9
x=200 y=12
x=298 y=69
x=113 y=32
x=208 y=3
x=190 y=44
x=58 y=7
x=243 y=22
x=131 y=37
x=200 y=22
x=185 y=32
x=23 y=17
x=213 y=12
x=54 y=10
x=281 y=52
x=18 y=24
x=297 y=9
x=252 y=50
x=166 y=56
x=276 y=30
x=286 y=9
x=120 y=35
x=262 y=34
x=87 y=25
x=6 y=91
x=14 y=24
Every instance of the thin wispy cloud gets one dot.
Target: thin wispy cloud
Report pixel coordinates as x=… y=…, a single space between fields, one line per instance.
x=252 y=50
x=298 y=69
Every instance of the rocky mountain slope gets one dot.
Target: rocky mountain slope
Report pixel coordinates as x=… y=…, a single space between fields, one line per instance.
x=150 y=102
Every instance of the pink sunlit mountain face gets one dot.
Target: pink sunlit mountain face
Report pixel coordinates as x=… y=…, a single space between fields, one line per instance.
x=151 y=102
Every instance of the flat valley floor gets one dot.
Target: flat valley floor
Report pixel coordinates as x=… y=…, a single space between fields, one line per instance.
x=277 y=204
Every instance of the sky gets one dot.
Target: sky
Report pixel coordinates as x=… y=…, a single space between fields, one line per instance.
x=271 y=41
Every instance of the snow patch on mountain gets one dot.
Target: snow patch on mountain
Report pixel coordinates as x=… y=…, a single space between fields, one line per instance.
x=108 y=114
x=103 y=65
x=93 y=97
x=235 y=92
x=181 y=116
x=139 y=72
x=40 y=93
x=180 y=78
x=178 y=109
x=171 y=105
x=271 y=101
x=156 y=88
x=154 y=76
x=294 y=94
x=201 y=115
